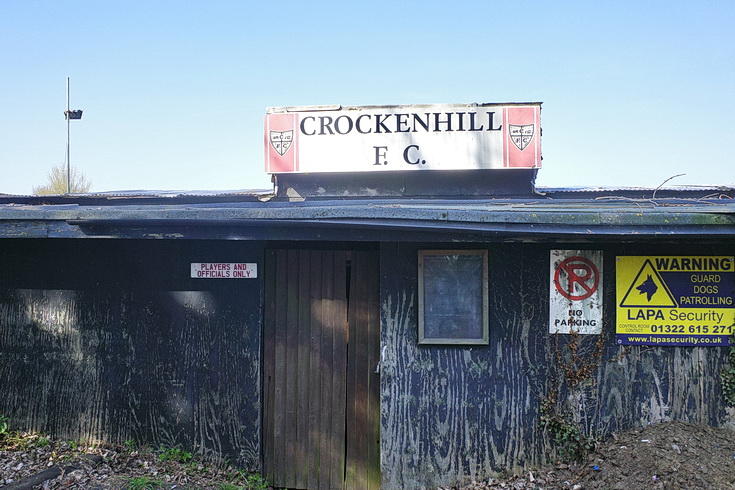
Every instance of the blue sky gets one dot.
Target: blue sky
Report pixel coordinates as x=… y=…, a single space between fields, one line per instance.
x=174 y=93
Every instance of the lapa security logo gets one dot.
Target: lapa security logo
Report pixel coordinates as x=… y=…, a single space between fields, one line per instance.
x=648 y=289
x=675 y=300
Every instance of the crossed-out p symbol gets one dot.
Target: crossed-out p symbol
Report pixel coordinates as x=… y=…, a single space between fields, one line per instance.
x=576 y=271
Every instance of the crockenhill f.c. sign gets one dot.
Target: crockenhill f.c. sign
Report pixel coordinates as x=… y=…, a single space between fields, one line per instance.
x=380 y=138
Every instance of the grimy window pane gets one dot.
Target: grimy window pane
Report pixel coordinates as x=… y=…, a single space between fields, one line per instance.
x=453 y=296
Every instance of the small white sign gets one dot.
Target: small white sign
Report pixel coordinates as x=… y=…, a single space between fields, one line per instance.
x=575 y=298
x=224 y=270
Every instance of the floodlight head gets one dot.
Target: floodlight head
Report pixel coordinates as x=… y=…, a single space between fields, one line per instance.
x=77 y=114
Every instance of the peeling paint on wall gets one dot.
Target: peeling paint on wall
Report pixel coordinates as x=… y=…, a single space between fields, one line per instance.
x=149 y=360
x=453 y=414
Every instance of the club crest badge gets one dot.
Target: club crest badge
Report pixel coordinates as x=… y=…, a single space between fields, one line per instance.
x=281 y=141
x=520 y=135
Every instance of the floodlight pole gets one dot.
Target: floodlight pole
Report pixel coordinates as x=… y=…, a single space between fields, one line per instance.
x=69 y=114
x=68 y=120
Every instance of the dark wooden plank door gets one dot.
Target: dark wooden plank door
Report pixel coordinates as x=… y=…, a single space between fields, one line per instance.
x=321 y=418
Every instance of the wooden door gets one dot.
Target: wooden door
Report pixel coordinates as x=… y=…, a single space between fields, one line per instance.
x=321 y=419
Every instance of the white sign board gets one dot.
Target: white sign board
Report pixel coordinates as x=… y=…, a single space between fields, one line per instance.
x=575 y=298
x=224 y=270
x=418 y=137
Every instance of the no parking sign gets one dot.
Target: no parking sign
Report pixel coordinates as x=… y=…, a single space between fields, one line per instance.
x=575 y=297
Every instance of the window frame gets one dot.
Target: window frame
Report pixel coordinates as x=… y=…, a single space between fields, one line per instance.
x=483 y=311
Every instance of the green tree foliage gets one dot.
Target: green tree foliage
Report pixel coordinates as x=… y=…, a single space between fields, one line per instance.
x=57 y=183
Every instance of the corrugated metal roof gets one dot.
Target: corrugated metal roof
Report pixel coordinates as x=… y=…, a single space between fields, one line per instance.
x=605 y=214
x=151 y=197
x=149 y=193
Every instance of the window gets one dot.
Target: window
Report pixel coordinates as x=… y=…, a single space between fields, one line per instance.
x=453 y=297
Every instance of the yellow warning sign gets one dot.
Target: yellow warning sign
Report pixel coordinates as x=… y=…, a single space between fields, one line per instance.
x=647 y=289
x=675 y=300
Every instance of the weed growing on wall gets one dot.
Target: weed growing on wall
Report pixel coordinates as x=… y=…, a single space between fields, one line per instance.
x=728 y=374
x=575 y=366
x=559 y=415
x=566 y=434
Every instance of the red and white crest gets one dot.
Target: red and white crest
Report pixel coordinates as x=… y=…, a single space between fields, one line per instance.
x=281 y=141
x=520 y=135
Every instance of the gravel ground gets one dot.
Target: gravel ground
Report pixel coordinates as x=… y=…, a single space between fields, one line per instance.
x=672 y=455
x=24 y=456
x=663 y=456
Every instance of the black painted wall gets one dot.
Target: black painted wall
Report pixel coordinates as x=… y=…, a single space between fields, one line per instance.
x=454 y=414
x=112 y=340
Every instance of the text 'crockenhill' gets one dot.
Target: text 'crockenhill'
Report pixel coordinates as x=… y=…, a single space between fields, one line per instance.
x=427 y=122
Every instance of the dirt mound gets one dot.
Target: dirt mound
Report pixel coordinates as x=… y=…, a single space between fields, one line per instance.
x=671 y=455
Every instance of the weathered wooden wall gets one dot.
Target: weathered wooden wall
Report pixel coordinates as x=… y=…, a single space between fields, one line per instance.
x=321 y=422
x=455 y=414
x=112 y=340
